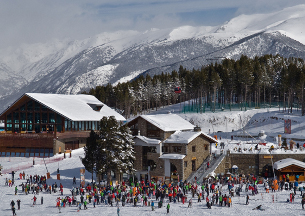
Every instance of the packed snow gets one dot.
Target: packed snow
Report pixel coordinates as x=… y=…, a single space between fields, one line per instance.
x=252 y=122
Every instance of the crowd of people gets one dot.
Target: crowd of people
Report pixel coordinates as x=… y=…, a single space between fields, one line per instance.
x=214 y=191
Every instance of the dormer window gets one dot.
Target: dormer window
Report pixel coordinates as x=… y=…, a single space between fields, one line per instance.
x=96 y=107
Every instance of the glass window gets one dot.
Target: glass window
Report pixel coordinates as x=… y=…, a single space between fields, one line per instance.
x=21 y=154
x=17 y=154
x=9 y=118
x=16 y=128
x=32 y=154
x=51 y=118
x=9 y=127
x=83 y=126
x=30 y=106
x=69 y=125
x=3 y=154
x=37 y=118
x=51 y=155
x=87 y=126
x=22 y=108
x=23 y=127
x=46 y=154
x=16 y=117
x=22 y=118
x=27 y=150
x=193 y=148
x=30 y=118
x=41 y=154
x=37 y=106
x=93 y=125
x=43 y=128
x=36 y=154
x=37 y=128
x=72 y=125
x=58 y=119
x=79 y=126
x=58 y=128
x=30 y=127
x=43 y=108
x=44 y=118
x=27 y=154
x=8 y=154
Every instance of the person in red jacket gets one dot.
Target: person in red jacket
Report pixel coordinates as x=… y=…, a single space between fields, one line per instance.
x=225 y=199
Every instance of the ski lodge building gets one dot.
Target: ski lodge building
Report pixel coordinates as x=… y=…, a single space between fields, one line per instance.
x=40 y=125
x=167 y=147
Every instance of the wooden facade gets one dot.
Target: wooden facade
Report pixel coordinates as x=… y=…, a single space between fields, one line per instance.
x=293 y=171
x=33 y=130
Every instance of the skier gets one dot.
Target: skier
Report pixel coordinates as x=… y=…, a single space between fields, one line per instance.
x=167 y=207
x=85 y=204
x=152 y=205
x=190 y=203
x=118 y=211
x=18 y=204
x=34 y=200
x=14 y=211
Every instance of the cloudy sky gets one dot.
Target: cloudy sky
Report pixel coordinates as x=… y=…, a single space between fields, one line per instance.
x=31 y=21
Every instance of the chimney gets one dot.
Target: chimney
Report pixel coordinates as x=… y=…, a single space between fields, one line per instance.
x=197 y=129
x=139 y=133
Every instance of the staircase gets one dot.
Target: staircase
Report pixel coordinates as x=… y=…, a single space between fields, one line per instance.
x=203 y=171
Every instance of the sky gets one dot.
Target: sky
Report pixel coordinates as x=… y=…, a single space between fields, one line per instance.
x=39 y=21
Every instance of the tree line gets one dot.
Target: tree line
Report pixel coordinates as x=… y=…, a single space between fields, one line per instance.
x=260 y=80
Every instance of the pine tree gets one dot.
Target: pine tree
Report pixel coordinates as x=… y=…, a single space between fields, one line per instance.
x=116 y=147
x=91 y=159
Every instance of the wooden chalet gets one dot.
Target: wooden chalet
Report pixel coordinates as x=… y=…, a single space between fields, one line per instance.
x=40 y=125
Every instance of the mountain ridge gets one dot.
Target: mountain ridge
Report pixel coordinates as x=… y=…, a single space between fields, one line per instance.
x=70 y=67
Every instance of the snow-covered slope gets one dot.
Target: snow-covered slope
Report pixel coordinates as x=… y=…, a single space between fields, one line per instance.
x=73 y=66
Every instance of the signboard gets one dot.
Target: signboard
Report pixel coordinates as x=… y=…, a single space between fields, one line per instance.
x=268 y=157
x=287 y=126
x=193 y=158
x=82 y=177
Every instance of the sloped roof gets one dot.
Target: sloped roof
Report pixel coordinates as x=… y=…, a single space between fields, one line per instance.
x=172 y=156
x=148 y=140
x=185 y=137
x=168 y=122
x=74 y=107
x=287 y=162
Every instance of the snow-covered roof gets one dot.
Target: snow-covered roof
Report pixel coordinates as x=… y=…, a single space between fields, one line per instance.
x=168 y=122
x=172 y=156
x=148 y=140
x=186 y=137
x=287 y=162
x=75 y=107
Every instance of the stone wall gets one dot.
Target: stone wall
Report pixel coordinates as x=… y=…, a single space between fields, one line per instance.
x=252 y=163
x=138 y=156
x=199 y=155
x=159 y=162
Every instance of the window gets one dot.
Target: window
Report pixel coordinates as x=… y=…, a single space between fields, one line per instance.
x=164 y=149
x=152 y=149
x=185 y=163
x=193 y=148
x=151 y=127
x=152 y=164
x=205 y=147
x=177 y=149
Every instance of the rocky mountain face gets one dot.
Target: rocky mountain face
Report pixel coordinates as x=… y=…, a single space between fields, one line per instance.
x=72 y=67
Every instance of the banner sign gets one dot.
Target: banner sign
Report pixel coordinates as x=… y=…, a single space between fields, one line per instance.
x=287 y=126
x=82 y=177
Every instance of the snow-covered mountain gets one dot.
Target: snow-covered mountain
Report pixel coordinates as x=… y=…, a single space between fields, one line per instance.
x=73 y=66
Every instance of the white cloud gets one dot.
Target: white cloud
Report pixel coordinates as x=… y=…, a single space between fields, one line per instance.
x=30 y=21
